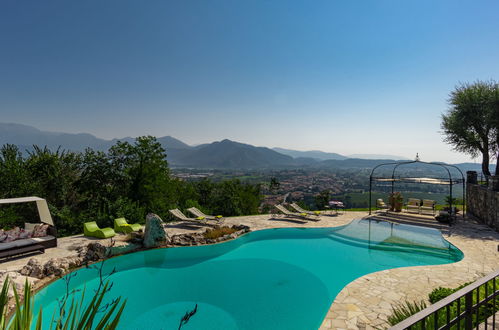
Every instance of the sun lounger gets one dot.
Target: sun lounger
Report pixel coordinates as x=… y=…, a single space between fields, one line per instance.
x=288 y=213
x=428 y=206
x=196 y=212
x=122 y=226
x=302 y=210
x=91 y=229
x=200 y=221
x=413 y=204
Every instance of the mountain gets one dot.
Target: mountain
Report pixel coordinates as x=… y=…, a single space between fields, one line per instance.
x=377 y=156
x=315 y=154
x=25 y=136
x=230 y=154
x=169 y=142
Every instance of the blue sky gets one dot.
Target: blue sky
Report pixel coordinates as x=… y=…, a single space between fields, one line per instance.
x=339 y=76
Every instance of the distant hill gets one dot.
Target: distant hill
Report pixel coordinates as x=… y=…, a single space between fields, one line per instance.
x=377 y=156
x=315 y=154
x=26 y=136
x=230 y=154
x=321 y=155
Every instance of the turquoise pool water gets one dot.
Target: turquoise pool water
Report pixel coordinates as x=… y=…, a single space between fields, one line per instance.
x=271 y=279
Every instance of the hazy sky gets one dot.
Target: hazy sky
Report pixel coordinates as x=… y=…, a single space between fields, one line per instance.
x=340 y=76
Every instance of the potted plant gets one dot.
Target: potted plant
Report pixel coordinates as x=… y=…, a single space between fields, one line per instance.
x=396 y=201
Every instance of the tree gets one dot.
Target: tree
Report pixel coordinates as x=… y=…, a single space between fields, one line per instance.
x=472 y=122
x=322 y=199
x=274 y=185
x=141 y=170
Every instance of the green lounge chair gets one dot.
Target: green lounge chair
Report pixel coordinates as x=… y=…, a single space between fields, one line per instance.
x=122 y=226
x=91 y=229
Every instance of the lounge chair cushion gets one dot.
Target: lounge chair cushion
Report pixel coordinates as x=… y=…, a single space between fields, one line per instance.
x=218 y=216
x=24 y=242
x=122 y=226
x=200 y=218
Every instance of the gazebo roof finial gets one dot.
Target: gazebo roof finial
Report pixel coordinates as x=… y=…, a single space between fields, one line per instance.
x=417 y=156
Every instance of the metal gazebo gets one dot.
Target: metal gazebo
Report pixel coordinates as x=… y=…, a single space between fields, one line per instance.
x=450 y=180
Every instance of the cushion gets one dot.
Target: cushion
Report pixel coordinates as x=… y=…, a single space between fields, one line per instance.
x=218 y=216
x=40 y=230
x=199 y=218
x=12 y=234
x=24 y=234
x=30 y=226
x=5 y=246
x=41 y=239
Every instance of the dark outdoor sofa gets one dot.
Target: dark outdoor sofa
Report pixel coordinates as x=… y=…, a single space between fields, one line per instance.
x=28 y=245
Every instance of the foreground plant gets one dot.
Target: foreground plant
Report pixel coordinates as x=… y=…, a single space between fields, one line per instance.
x=77 y=316
x=404 y=310
x=407 y=309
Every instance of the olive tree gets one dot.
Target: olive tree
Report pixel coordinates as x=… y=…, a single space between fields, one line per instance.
x=471 y=123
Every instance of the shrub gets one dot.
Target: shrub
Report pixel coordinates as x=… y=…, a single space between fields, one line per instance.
x=444 y=218
x=439 y=294
x=218 y=232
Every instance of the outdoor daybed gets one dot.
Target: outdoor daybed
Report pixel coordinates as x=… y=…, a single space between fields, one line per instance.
x=34 y=237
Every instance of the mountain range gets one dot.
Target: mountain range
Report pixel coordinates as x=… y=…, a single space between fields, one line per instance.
x=225 y=154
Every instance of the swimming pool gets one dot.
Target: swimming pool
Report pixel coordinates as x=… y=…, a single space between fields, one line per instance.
x=283 y=278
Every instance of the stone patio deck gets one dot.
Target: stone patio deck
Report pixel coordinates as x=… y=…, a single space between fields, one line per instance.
x=366 y=302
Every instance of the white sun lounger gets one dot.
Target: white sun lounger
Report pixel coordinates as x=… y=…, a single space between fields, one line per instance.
x=196 y=212
x=288 y=213
x=302 y=210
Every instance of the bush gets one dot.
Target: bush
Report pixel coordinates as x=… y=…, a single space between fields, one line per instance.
x=439 y=294
x=444 y=218
x=218 y=232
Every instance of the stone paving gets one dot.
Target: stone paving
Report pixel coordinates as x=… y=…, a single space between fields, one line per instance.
x=366 y=302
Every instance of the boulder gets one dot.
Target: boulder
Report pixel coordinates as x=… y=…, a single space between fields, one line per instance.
x=56 y=266
x=154 y=233
x=92 y=252
x=32 y=269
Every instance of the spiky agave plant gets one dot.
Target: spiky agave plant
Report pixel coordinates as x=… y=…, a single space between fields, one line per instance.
x=404 y=310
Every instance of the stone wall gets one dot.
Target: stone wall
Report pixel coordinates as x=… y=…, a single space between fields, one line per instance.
x=483 y=201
